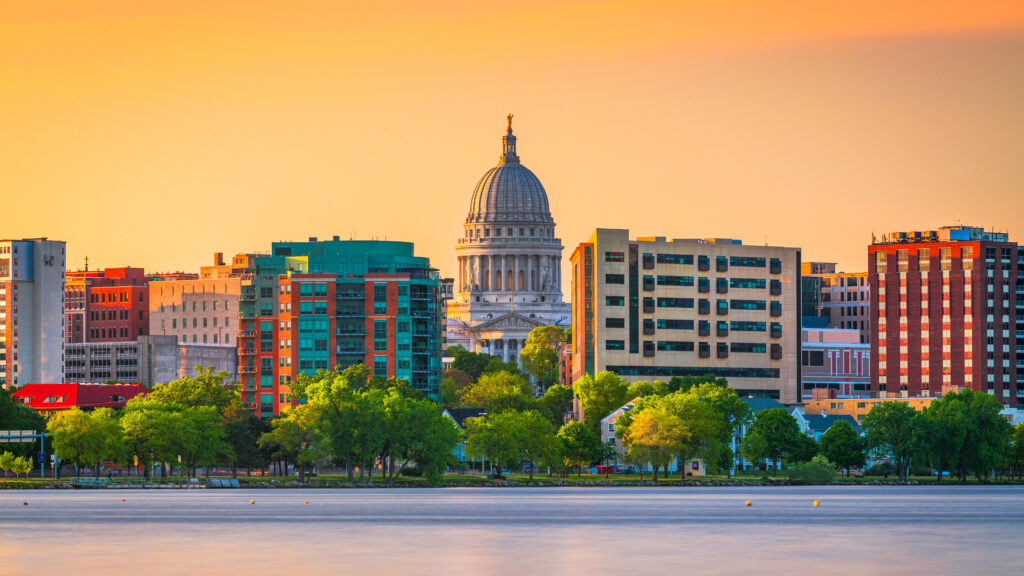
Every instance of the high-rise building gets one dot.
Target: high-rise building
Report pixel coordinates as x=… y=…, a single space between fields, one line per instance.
x=944 y=304
x=313 y=305
x=509 y=279
x=31 y=311
x=843 y=298
x=110 y=305
x=651 y=309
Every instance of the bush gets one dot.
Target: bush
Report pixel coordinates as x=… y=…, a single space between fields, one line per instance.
x=818 y=471
x=921 y=470
x=883 y=468
x=410 y=471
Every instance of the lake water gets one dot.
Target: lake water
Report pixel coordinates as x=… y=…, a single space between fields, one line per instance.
x=481 y=531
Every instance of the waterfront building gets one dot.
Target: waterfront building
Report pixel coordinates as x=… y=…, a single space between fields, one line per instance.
x=835 y=360
x=51 y=398
x=843 y=298
x=309 y=306
x=109 y=305
x=509 y=280
x=608 y=430
x=858 y=408
x=31 y=311
x=652 y=308
x=945 y=308
x=203 y=309
x=150 y=360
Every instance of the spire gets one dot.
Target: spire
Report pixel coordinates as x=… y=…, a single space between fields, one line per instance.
x=508 y=146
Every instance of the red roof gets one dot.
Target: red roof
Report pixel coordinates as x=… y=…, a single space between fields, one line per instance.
x=66 y=396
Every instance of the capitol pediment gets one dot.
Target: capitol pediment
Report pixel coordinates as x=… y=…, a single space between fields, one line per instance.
x=510 y=322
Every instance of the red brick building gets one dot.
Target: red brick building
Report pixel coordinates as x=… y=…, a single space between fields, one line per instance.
x=944 y=310
x=110 y=305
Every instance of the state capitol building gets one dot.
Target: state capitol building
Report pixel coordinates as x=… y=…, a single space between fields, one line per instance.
x=509 y=262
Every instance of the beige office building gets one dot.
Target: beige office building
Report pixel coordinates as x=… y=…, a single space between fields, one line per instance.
x=653 y=308
x=201 y=311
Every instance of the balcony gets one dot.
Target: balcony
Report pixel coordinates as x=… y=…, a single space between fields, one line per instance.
x=350 y=350
x=246 y=351
x=246 y=334
x=350 y=313
x=345 y=333
x=246 y=369
x=421 y=351
x=350 y=296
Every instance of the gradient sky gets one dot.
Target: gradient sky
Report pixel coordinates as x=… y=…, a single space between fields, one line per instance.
x=155 y=133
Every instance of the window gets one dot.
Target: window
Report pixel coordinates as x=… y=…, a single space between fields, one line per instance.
x=747 y=347
x=380 y=365
x=747 y=261
x=747 y=304
x=703 y=285
x=721 y=285
x=747 y=326
x=723 y=350
x=614 y=279
x=755 y=283
x=813 y=358
x=675 y=280
x=320 y=289
x=704 y=328
x=669 y=324
x=721 y=263
x=674 y=346
x=675 y=259
x=722 y=307
x=776 y=266
x=703 y=263
x=776 y=310
x=614 y=256
x=305 y=289
x=675 y=302
x=614 y=301
x=722 y=328
x=614 y=322
x=614 y=344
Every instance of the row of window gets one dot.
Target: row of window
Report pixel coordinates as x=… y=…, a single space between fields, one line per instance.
x=722 y=263
x=174 y=307
x=705 y=347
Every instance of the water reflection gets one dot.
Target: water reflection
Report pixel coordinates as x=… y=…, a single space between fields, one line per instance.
x=856 y=530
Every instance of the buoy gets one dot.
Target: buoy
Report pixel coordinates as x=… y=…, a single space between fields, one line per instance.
x=305 y=501
x=815 y=502
x=252 y=501
x=123 y=500
x=748 y=502
x=24 y=503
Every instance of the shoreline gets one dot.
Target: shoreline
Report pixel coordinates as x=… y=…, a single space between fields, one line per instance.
x=490 y=483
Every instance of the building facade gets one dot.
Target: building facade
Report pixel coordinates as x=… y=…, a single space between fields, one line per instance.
x=110 y=305
x=844 y=298
x=313 y=305
x=31 y=311
x=652 y=308
x=509 y=280
x=836 y=360
x=945 y=310
x=150 y=360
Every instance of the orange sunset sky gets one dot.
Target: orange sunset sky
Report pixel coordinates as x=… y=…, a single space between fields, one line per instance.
x=155 y=133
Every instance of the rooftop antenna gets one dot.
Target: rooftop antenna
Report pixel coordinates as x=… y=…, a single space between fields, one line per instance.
x=86 y=263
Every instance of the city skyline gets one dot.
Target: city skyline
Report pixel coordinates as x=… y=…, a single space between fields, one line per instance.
x=226 y=132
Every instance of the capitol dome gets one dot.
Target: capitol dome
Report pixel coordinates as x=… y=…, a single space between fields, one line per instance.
x=509 y=192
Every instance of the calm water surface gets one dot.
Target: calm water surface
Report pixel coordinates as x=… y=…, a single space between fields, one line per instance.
x=482 y=531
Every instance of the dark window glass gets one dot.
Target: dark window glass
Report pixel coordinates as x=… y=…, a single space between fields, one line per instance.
x=747 y=304
x=615 y=300
x=748 y=261
x=669 y=324
x=614 y=322
x=614 y=257
x=614 y=278
x=675 y=259
x=747 y=347
x=675 y=302
x=674 y=346
x=675 y=280
x=614 y=344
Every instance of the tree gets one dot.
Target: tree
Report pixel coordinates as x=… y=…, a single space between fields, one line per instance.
x=21 y=465
x=985 y=436
x=77 y=438
x=556 y=402
x=206 y=389
x=817 y=470
x=939 y=433
x=803 y=449
x=242 y=432
x=7 y=462
x=640 y=389
x=1015 y=452
x=754 y=448
x=779 y=431
x=600 y=395
x=499 y=392
x=471 y=363
x=419 y=432
x=654 y=434
x=579 y=445
x=841 y=445
x=496 y=438
x=539 y=355
x=295 y=438
x=889 y=431
x=451 y=387
x=537 y=439
x=18 y=416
